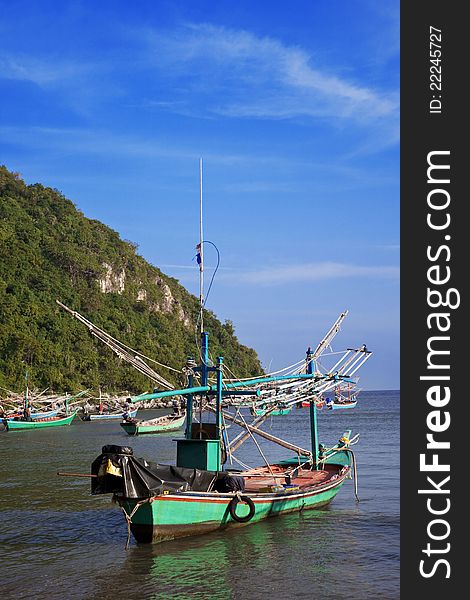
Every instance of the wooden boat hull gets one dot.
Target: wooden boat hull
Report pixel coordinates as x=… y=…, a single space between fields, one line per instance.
x=146 y=427
x=38 y=424
x=176 y=515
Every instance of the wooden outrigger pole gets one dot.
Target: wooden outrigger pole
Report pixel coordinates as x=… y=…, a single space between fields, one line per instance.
x=263 y=434
x=326 y=341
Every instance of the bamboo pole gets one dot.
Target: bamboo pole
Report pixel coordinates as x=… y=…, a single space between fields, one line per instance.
x=241 y=438
x=76 y=474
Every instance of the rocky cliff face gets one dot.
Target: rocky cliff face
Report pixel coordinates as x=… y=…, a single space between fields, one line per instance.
x=114 y=282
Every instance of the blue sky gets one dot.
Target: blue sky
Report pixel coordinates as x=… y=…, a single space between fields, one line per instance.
x=294 y=108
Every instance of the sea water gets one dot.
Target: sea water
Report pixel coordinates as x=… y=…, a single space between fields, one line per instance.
x=58 y=542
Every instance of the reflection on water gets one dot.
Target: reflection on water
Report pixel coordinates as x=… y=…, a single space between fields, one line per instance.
x=58 y=542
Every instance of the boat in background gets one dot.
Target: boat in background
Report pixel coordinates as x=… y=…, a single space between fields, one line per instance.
x=344 y=398
x=34 y=415
x=318 y=404
x=171 y=422
x=261 y=411
x=17 y=425
x=31 y=418
x=107 y=416
x=341 y=404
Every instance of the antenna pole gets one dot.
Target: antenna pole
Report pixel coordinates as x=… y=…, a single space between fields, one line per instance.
x=201 y=239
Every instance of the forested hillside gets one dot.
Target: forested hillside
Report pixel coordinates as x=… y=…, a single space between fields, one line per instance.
x=49 y=250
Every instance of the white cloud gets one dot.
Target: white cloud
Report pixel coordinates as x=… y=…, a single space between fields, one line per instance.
x=109 y=143
x=317 y=272
x=211 y=71
x=264 y=77
x=42 y=72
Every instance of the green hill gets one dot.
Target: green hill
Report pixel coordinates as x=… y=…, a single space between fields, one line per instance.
x=49 y=250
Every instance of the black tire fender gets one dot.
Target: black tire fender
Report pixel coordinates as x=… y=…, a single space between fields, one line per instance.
x=232 y=507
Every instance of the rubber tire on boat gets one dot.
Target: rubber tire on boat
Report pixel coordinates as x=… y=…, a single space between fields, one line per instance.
x=232 y=507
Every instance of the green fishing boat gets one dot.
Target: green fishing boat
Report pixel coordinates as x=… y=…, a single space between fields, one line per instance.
x=275 y=412
x=159 y=425
x=202 y=492
x=184 y=501
x=57 y=421
x=197 y=495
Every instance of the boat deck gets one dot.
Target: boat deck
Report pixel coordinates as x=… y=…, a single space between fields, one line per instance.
x=258 y=480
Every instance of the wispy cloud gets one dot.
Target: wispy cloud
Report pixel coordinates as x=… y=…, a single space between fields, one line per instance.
x=76 y=140
x=211 y=71
x=77 y=85
x=42 y=72
x=317 y=272
x=265 y=78
x=90 y=141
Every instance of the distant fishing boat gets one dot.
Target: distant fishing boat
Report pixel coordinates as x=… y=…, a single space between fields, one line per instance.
x=108 y=415
x=27 y=409
x=344 y=398
x=341 y=404
x=261 y=411
x=40 y=423
x=319 y=403
x=43 y=418
x=34 y=415
x=162 y=424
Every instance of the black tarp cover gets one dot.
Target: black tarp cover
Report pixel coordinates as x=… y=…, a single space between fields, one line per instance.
x=119 y=472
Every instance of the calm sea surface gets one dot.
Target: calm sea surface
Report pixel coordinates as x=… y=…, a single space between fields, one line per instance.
x=58 y=542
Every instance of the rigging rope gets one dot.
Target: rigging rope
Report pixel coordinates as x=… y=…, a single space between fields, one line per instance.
x=263 y=374
x=121 y=349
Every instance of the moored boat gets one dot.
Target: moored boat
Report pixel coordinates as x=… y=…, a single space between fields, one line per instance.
x=341 y=404
x=261 y=411
x=163 y=502
x=34 y=415
x=177 y=502
x=162 y=424
x=344 y=397
x=56 y=421
x=108 y=415
x=319 y=403
x=198 y=495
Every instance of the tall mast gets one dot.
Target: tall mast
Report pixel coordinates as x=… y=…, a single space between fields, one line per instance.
x=201 y=255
